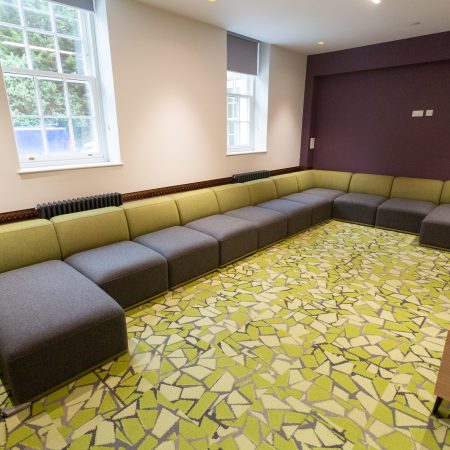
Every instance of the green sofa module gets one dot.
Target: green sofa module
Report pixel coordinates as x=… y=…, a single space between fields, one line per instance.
x=199 y=210
x=366 y=193
x=96 y=243
x=435 y=228
x=264 y=194
x=411 y=200
x=234 y=200
x=55 y=324
x=155 y=224
x=318 y=189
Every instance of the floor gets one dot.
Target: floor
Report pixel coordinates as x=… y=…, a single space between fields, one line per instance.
x=330 y=339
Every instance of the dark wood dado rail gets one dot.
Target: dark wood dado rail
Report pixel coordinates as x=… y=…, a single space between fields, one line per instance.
x=31 y=213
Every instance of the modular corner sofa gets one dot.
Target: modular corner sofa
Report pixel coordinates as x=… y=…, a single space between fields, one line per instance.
x=65 y=283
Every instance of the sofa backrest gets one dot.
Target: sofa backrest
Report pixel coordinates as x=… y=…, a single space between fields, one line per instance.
x=232 y=196
x=286 y=184
x=417 y=189
x=365 y=183
x=147 y=216
x=85 y=230
x=331 y=179
x=194 y=205
x=445 y=196
x=262 y=191
x=26 y=243
x=305 y=180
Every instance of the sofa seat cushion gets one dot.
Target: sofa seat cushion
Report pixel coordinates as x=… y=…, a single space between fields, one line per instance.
x=329 y=194
x=130 y=273
x=236 y=237
x=272 y=225
x=355 y=207
x=298 y=214
x=403 y=214
x=435 y=229
x=321 y=207
x=54 y=325
x=189 y=253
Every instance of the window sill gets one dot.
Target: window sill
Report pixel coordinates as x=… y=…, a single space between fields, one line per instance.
x=245 y=152
x=41 y=169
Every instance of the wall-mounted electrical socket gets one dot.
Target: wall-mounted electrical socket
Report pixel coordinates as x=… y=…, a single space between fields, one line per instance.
x=429 y=112
x=418 y=113
x=312 y=143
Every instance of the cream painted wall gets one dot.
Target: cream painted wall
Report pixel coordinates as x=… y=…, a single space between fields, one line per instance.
x=169 y=78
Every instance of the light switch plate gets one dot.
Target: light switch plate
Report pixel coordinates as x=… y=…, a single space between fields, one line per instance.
x=312 y=143
x=418 y=113
x=429 y=112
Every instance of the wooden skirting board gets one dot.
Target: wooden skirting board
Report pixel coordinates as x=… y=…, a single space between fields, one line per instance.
x=31 y=213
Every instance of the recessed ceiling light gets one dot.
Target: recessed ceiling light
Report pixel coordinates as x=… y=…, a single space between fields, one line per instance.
x=376 y=2
x=321 y=43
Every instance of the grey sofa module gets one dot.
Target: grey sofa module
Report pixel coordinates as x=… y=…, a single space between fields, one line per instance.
x=236 y=237
x=298 y=214
x=321 y=207
x=189 y=253
x=435 y=229
x=403 y=214
x=329 y=194
x=355 y=207
x=54 y=325
x=272 y=226
x=130 y=273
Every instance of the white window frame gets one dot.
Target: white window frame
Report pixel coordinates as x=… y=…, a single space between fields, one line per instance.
x=72 y=159
x=239 y=149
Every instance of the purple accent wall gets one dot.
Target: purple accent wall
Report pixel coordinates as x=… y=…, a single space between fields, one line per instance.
x=358 y=106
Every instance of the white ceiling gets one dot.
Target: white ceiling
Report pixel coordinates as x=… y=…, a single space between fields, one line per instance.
x=300 y=24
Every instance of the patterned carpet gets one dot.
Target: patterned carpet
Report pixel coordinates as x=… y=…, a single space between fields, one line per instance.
x=330 y=339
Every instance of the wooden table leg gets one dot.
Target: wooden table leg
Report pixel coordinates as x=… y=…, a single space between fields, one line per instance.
x=436 y=406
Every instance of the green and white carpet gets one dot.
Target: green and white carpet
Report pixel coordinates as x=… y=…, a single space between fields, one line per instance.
x=330 y=339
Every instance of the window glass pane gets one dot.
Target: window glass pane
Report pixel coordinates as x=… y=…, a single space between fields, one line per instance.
x=39 y=5
x=244 y=134
x=84 y=134
x=65 y=11
x=12 y=48
x=67 y=26
x=38 y=20
x=79 y=99
x=232 y=107
x=52 y=97
x=9 y=14
x=21 y=95
x=71 y=63
x=244 y=109
x=240 y=83
x=41 y=40
x=29 y=140
x=57 y=133
x=71 y=53
x=44 y=60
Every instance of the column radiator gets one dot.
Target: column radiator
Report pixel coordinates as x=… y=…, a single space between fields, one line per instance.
x=49 y=210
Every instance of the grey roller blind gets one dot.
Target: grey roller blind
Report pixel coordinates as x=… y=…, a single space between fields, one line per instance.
x=82 y=4
x=242 y=54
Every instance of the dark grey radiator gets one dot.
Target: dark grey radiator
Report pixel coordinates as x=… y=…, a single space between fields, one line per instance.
x=49 y=210
x=250 y=176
